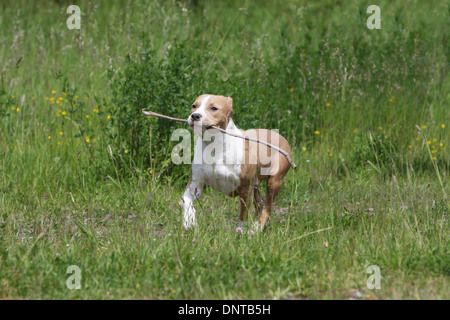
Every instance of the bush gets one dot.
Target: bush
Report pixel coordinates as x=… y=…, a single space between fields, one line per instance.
x=166 y=86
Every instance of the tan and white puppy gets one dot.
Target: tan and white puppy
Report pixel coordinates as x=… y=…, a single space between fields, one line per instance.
x=232 y=165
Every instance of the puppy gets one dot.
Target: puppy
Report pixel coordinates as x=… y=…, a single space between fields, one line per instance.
x=232 y=165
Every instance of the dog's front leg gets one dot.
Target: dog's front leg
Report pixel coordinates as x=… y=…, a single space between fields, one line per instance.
x=193 y=191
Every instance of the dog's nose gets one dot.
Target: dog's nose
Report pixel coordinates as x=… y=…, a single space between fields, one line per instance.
x=196 y=116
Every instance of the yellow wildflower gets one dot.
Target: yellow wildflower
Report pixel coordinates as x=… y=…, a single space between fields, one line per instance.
x=317 y=132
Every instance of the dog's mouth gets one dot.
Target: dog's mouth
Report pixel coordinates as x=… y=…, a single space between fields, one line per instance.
x=197 y=126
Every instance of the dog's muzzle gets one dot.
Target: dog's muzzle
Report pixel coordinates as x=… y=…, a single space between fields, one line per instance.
x=196 y=122
x=196 y=116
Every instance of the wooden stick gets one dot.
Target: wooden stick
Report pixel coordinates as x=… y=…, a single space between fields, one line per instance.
x=151 y=113
x=288 y=157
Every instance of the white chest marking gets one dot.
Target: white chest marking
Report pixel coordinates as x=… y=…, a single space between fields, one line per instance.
x=224 y=173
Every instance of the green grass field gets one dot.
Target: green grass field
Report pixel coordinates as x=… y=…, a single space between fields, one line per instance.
x=86 y=180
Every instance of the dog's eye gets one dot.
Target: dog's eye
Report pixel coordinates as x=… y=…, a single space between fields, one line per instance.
x=194 y=106
x=213 y=108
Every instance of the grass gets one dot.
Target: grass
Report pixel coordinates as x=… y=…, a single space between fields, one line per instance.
x=366 y=112
x=129 y=244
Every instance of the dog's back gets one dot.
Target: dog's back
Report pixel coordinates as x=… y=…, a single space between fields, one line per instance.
x=269 y=161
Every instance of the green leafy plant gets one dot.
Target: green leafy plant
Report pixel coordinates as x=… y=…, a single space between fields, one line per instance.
x=375 y=151
x=6 y=102
x=165 y=86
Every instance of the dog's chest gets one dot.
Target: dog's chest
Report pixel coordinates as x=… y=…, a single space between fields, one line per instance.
x=224 y=174
x=225 y=178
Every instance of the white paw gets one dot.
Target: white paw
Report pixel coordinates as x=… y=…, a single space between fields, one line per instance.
x=189 y=218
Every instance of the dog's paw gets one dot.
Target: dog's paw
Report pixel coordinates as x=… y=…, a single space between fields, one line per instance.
x=189 y=219
x=189 y=225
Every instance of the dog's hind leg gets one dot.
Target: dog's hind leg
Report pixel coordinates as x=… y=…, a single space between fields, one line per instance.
x=245 y=198
x=273 y=188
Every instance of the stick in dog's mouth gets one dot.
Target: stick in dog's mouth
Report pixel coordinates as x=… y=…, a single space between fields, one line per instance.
x=207 y=127
x=288 y=157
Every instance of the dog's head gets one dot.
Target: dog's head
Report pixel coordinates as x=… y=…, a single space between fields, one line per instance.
x=209 y=110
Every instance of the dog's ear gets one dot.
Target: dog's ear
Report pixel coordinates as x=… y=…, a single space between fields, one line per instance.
x=230 y=102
